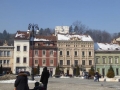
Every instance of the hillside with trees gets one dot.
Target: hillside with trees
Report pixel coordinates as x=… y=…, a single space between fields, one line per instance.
x=77 y=27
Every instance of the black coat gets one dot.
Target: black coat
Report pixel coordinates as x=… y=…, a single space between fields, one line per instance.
x=21 y=82
x=44 y=76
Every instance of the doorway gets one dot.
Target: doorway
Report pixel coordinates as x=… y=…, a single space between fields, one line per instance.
x=67 y=72
x=103 y=72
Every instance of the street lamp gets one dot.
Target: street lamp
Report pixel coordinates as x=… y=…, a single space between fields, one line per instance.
x=33 y=26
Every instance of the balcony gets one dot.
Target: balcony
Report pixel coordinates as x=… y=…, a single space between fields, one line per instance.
x=61 y=55
x=83 y=56
x=65 y=66
x=75 y=56
x=68 y=55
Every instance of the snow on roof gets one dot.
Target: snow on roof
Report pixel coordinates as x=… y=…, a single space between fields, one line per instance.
x=106 y=47
x=79 y=37
x=20 y=35
x=38 y=39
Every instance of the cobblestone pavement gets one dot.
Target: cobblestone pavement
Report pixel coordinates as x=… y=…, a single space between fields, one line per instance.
x=71 y=84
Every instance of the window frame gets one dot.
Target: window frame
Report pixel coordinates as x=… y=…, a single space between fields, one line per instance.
x=17 y=59
x=90 y=62
x=61 y=62
x=68 y=62
x=18 y=48
x=83 y=63
x=43 y=52
x=24 y=58
x=24 y=48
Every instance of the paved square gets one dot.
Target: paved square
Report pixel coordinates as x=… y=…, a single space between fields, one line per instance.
x=71 y=84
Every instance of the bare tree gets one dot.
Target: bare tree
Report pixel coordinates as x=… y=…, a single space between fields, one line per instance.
x=79 y=28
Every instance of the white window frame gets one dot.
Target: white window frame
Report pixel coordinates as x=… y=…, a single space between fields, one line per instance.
x=104 y=60
x=76 y=52
x=116 y=58
x=43 y=52
x=51 y=61
x=43 y=61
x=36 y=61
x=51 y=52
x=110 y=60
x=97 y=60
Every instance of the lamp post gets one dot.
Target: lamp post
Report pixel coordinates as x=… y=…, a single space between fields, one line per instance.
x=33 y=26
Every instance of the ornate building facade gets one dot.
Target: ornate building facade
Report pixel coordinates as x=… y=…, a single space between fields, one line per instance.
x=6 y=57
x=75 y=50
x=106 y=55
x=21 y=51
x=44 y=53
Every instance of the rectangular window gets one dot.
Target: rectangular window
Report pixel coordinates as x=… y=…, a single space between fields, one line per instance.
x=90 y=62
x=117 y=71
x=17 y=60
x=43 y=52
x=0 y=61
x=89 y=53
x=110 y=60
x=36 y=61
x=0 y=53
x=68 y=62
x=8 y=61
x=5 y=53
x=76 y=62
x=104 y=61
x=67 y=53
x=61 y=62
x=60 y=52
x=83 y=53
x=116 y=60
x=4 y=62
x=25 y=48
x=36 y=52
x=51 y=52
x=44 y=61
x=8 y=53
x=18 y=48
x=97 y=61
x=51 y=61
x=24 y=60
x=75 y=53
x=83 y=62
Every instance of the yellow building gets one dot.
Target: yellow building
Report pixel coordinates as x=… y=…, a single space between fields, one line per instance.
x=6 y=57
x=75 y=50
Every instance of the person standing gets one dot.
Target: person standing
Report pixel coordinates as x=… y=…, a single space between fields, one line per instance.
x=97 y=76
x=21 y=82
x=44 y=77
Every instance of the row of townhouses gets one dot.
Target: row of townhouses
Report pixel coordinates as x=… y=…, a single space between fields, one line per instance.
x=67 y=50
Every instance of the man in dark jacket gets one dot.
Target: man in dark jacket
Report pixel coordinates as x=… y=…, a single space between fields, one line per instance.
x=97 y=76
x=21 y=82
x=44 y=77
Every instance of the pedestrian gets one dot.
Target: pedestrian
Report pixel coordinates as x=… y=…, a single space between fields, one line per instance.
x=38 y=86
x=44 y=77
x=96 y=76
x=21 y=82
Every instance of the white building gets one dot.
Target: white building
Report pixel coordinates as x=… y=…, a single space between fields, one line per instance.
x=61 y=29
x=21 y=52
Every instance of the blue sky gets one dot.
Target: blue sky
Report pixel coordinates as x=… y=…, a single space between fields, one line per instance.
x=96 y=14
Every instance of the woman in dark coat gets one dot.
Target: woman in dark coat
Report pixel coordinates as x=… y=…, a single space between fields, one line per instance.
x=44 y=77
x=21 y=82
